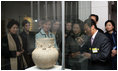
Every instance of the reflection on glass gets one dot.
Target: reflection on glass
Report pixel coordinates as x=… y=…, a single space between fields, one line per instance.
x=76 y=38
x=35 y=18
x=43 y=20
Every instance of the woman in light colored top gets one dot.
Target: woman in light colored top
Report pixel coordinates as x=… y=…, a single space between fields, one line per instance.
x=45 y=32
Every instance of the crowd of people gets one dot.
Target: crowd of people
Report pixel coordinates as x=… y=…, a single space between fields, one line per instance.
x=97 y=46
x=81 y=39
x=17 y=46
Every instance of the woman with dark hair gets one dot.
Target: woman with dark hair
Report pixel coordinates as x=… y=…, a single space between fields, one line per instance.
x=73 y=47
x=111 y=33
x=12 y=50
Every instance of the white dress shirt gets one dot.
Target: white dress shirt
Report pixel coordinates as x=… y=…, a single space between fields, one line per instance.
x=93 y=37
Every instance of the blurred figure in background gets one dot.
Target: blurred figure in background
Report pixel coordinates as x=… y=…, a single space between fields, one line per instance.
x=12 y=49
x=45 y=32
x=40 y=25
x=111 y=33
x=73 y=47
x=25 y=35
x=56 y=30
x=68 y=29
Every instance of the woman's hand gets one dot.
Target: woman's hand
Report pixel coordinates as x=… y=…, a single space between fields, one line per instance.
x=114 y=52
x=80 y=40
x=18 y=53
x=22 y=51
x=75 y=54
x=88 y=55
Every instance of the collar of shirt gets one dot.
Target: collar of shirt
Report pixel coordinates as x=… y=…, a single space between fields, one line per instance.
x=93 y=37
x=42 y=31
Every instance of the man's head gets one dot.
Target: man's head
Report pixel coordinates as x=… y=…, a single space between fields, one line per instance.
x=94 y=17
x=90 y=27
x=26 y=25
x=68 y=26
x=93 y=27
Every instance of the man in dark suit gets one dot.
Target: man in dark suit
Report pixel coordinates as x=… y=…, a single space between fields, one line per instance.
x=96 y=18
x=100 y=50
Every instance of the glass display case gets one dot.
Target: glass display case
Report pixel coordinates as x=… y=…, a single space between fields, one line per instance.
x=47 y=35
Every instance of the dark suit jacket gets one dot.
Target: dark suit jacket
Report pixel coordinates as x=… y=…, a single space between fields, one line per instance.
x=100 y=30
x=101 y=60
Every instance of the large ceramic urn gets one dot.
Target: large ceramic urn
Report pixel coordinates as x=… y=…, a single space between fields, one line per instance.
x=45 y=55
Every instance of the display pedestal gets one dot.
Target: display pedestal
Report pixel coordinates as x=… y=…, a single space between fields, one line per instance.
x=56 y=67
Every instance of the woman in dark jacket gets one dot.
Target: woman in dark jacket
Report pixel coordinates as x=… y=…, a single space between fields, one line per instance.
x=111 y=33
x=73 y=47
x=12 y=49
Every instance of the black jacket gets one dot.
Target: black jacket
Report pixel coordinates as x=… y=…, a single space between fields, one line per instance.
x=113 y=39
x=6 y=54
x=28 y=41
x=100 y=30
x=71 y=46
x=24 y=40
x=114 y=43
x=101 y=59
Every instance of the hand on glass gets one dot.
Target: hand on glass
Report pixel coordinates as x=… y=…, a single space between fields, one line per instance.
x=114 y=52
x=88 y=55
